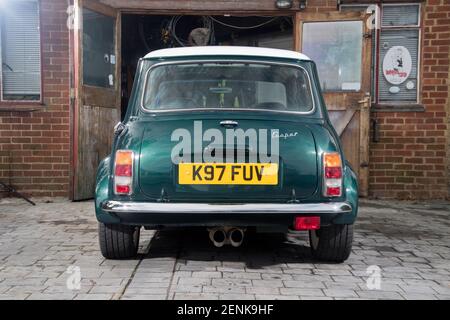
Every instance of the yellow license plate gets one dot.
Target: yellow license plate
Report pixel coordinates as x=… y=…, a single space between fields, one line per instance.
x=228 y=173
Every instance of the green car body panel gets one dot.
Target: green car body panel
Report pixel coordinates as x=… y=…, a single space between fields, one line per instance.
x=148 y=134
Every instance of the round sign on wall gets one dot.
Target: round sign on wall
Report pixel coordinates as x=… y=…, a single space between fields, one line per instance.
x=397 y=65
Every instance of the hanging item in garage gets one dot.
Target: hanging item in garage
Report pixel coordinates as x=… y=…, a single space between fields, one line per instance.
x=397 y=65
x=199 y=37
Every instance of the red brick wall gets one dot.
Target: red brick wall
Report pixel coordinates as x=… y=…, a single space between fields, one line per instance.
x=410 y=160
x=35 y=146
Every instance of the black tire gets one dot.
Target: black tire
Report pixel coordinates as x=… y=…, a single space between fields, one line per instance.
x=118 y=241
x=332 y=243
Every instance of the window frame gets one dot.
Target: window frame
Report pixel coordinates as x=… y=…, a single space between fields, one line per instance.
x=417 y=27
x=361 y=73
x=200 y=61
x=40 y=101
x=374 y=49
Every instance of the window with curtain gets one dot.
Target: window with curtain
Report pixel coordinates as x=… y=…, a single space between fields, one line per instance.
x=20 y=45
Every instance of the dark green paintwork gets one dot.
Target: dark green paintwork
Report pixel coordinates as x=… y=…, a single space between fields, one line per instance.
x=301 y=170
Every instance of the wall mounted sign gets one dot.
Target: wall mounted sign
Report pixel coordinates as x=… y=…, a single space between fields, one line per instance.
x=397 y=65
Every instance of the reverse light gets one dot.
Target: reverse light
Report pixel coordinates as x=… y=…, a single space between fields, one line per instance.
x=306 y=223
x=123 y=172
x=332 y=177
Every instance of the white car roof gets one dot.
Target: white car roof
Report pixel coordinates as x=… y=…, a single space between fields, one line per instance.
x=226 y=51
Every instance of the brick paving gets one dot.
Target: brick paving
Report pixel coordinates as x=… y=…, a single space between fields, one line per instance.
x=408 y=242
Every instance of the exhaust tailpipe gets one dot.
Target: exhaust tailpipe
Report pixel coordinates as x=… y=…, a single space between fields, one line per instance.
x=236 y=237
x=218 y=237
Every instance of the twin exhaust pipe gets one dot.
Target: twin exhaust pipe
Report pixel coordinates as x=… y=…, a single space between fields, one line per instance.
x=226 y=235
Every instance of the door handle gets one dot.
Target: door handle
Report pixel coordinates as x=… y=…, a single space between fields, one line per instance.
x=229 y=123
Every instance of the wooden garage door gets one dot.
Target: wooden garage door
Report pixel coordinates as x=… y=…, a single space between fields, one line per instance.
x=97 y=91
x=339 y=43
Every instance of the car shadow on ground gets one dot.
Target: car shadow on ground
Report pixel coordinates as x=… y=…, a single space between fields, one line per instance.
x=258 y=250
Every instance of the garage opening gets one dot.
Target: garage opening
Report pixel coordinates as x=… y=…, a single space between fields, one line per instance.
x=144 y=33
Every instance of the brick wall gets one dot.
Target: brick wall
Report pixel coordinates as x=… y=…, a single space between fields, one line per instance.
x=35 y=146
x=410 y=160
x=448 y=125
x=448 y=147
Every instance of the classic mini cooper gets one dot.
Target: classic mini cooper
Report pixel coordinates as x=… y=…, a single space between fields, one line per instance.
x=230 y=139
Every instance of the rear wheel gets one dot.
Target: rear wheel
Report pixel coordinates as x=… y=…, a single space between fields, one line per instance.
x=332 y=243
x=118 y=241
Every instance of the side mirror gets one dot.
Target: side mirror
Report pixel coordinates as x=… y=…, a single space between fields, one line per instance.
x=118 y=128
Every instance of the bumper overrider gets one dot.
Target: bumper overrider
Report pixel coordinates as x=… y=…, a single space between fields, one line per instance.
x=206 y=214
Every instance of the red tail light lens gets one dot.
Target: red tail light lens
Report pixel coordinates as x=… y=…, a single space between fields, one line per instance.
x=332 y=177
x=333 y=172
x=306 y=223
x=123 y=172
x=333 y=191
x=123 y=189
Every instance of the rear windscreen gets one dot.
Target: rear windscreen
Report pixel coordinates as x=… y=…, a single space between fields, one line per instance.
x=227 y=85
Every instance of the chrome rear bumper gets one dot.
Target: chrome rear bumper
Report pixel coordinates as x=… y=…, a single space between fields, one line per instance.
x=247 y=208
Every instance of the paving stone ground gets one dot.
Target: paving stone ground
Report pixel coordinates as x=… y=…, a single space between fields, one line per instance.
x=42 y=247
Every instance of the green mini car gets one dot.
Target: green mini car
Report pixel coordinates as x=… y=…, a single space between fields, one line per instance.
x=231 y=139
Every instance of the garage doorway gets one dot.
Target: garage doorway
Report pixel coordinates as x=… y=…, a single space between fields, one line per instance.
x=142 y=34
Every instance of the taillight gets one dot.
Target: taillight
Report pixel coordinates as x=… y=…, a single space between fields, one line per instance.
x=332 y=177
x=123 y=172
x=306 y=223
